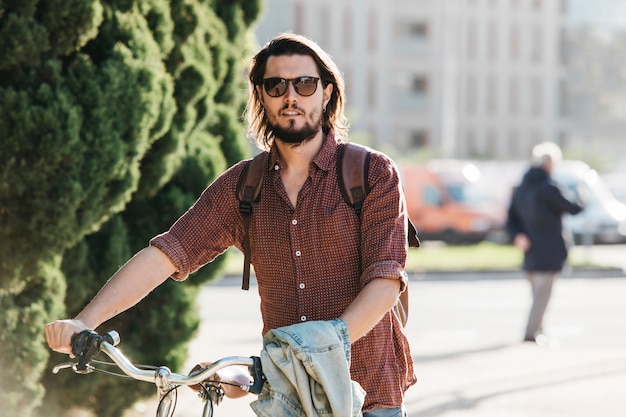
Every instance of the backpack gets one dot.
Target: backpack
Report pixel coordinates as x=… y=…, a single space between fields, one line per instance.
x=352 y=167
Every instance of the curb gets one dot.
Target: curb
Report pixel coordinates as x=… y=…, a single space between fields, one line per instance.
x=468 y=275
x=477 y=275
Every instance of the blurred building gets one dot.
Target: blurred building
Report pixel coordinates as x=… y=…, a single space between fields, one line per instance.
x=596 y=95
x=461 y=78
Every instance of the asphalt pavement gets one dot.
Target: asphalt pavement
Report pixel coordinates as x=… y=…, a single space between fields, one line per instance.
x=465 y=331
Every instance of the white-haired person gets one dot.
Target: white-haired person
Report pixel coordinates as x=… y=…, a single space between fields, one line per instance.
x=535 y=224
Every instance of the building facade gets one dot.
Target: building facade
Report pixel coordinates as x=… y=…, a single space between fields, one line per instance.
x=457 y=78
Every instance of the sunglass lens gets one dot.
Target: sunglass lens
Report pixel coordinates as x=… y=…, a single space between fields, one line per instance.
x=275 y=87
x=305 y=86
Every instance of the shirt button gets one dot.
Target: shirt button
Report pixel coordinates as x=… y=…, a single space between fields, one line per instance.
x=302 y=285
x=302 y=318
x=294 y=222
x=298 y=253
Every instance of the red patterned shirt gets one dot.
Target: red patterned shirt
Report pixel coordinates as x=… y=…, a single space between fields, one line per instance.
x=311 y=261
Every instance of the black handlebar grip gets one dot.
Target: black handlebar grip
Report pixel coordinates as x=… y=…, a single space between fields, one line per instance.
x=257 y=374
x=85 y=345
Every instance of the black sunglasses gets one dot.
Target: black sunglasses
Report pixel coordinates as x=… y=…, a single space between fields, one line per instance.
x=276 y=86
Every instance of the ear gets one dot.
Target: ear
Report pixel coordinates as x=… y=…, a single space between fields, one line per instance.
x=259 y=93
x=328 y=91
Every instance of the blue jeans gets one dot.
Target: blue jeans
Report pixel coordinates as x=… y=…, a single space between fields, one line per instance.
x=386 y=412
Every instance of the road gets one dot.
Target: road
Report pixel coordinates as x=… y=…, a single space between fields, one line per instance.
x=465 y=332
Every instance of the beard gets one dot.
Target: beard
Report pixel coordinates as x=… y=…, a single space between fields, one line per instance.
x=293 y=135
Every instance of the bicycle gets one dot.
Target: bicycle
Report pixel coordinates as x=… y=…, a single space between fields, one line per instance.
x=88 y=344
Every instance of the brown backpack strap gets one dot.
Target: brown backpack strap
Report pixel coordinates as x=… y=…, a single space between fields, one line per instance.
x=248 y=192
x=353 y=162
x=414 y=241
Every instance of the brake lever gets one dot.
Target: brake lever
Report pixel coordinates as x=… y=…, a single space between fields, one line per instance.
x=63 y=365
x=76 y=367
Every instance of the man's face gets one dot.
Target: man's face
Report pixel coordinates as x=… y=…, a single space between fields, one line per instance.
x=294 y=117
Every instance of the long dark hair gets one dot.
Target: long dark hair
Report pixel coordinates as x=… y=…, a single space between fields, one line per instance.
x=293 y=44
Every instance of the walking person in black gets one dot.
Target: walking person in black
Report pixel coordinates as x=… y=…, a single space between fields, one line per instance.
x=535 y=224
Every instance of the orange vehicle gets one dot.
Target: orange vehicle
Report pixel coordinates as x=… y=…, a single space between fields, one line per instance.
x=447 y=202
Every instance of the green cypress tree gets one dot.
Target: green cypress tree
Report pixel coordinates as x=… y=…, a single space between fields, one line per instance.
x=115 y=115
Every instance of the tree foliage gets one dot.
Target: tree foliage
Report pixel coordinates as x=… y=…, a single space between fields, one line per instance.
x=115 y=115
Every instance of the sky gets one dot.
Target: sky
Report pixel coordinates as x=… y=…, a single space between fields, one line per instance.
x=605 y=14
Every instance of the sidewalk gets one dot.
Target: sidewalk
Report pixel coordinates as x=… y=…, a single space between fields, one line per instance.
x=521 y=380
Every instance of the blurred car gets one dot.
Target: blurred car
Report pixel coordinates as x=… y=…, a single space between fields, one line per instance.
x=616 y=182
x=446 y=202
x=604 y=218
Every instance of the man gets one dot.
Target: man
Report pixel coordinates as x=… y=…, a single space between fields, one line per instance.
x=535 y=224
x=313 y=257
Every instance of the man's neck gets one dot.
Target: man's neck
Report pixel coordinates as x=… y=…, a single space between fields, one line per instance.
x=301 y=154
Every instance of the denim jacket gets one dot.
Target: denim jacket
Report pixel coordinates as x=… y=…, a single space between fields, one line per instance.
x=307 y=367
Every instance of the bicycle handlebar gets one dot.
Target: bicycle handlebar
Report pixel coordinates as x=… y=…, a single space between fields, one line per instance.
x=87 y=344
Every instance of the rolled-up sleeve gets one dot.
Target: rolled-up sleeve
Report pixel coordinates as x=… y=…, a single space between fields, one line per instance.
x=386 y=270
x=207 y=229
x=384 y=224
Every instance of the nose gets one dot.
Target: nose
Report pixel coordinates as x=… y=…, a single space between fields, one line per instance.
x=290 y=94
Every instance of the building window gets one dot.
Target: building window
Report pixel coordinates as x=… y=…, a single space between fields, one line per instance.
x=410 y=90
x=472 y=41
x=372 y=31
x=537 y=42
x=514 y=43
x=412 y=30
x=492 y=93
x=492 y=144
x=537 y=137
x=471 y=96
x=418 y=139
x=410 y=35
x=419 y=85
x=471 y=144
x=514 y=96
x=514 y=144
x=563 y=100
x=299 y=18
x=347 y=30
x=492 y=40
x=536 y=90
x=323 y=34
x=372 y=86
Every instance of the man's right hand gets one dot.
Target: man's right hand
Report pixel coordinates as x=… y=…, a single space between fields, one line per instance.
x=59 y=334
x=233 y=376
x=522 y=242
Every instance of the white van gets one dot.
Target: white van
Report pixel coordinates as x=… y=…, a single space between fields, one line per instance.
x=604 y=218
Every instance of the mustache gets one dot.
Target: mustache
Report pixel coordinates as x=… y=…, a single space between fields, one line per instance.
x=293 y=106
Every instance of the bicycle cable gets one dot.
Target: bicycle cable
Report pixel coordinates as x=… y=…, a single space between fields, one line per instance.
x=174 y=392
x=118 y=374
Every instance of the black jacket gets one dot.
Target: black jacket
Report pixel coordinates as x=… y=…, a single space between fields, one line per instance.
x=536 y=209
